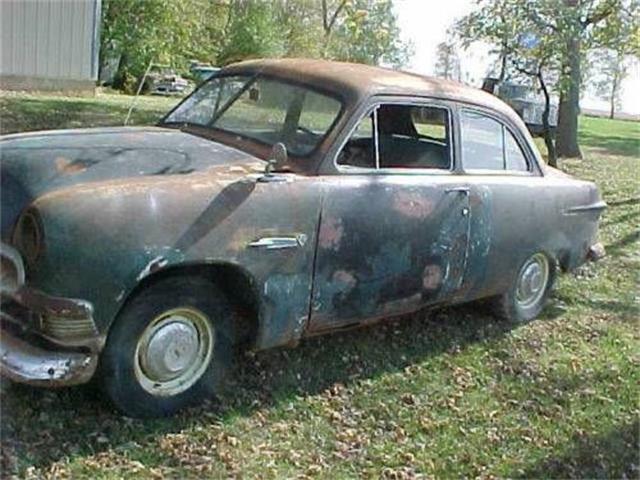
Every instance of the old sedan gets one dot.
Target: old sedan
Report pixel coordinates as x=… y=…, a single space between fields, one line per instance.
x=282 y=199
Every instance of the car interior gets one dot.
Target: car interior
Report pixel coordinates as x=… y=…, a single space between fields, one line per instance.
x=408 y=137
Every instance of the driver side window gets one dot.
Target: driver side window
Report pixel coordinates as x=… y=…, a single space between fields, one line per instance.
x=396 y=136
x=360 y=150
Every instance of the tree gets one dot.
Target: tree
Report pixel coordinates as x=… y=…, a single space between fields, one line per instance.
x=448 y=61
x=608 y=65
x=524 y=45
x=610 y=69
x=137 y=32
x=573 y=27
x=329 y=19
x=369 y=33
x=252 y=31
x=573 y=22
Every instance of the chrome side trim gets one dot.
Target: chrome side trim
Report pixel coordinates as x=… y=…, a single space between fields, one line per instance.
x=279 y=243
x=594 y=207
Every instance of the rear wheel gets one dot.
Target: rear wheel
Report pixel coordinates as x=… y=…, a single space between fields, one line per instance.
x=169 y=348
x=526 y=298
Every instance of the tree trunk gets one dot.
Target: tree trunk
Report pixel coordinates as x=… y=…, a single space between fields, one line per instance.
x=503 y=62
x=120 y=77
x=567 y=136
x=614 y=94
x=552 y=157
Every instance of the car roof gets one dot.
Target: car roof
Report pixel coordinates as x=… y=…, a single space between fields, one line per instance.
x=355 y=81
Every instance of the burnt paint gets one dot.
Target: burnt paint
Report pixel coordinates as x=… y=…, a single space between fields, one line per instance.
x=390 y=243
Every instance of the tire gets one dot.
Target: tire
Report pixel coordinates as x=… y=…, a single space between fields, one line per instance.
x=169 y=348
x=512 y=306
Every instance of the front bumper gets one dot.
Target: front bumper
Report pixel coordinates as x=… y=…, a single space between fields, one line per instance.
x=44 y=340
x=23 y=362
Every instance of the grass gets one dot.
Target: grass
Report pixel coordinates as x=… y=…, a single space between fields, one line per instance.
x=23 y=112
x=616 y=137
x=451 y=393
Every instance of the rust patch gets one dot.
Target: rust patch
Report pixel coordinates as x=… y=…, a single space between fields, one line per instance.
x=62 y=163
x=413 y=204
x=241 y=237
x=345 y=278
x=431 y=277
x=331 y=232
x=65 y=166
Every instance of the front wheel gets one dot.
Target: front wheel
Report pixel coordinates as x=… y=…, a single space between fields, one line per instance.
x=525 y=299
x=168 y=349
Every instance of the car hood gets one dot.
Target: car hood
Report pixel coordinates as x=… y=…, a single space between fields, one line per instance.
x=33 y=164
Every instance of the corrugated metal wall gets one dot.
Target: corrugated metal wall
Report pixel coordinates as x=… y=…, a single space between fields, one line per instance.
x=54 y=39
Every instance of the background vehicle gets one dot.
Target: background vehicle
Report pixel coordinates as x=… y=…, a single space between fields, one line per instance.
x=525 y=101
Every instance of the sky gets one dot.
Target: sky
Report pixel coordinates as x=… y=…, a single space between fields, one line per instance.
x=425 y=23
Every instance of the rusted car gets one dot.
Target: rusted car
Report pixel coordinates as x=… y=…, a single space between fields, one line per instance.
x=282 y=199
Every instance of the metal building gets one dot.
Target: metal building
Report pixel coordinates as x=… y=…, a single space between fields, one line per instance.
x=49 y=44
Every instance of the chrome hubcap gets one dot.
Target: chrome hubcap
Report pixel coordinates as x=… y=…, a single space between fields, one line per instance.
x=174 y=351
x=532 y=281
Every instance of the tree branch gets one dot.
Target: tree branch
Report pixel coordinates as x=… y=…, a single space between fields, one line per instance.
x=598 y=16
x=328 y=24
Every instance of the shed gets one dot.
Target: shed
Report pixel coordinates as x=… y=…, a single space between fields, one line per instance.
x=49 y=44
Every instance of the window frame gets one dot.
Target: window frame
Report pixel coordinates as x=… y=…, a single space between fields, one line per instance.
x=372 y=108
x=533 y=169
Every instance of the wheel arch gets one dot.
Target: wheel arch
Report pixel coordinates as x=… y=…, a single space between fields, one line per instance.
x=235 y=282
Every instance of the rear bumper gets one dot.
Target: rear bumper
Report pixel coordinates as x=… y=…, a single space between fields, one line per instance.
x=44 y=340
x=596 y=252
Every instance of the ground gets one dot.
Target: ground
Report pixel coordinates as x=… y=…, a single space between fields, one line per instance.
x=452 y=393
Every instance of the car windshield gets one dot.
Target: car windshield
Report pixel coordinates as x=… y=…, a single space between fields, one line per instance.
x=262 y=109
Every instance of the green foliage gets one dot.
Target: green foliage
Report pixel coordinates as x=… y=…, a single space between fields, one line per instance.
x=369 y=34
x=141 y=31
x=560 y=35
x=253 y=31
x=556 y=25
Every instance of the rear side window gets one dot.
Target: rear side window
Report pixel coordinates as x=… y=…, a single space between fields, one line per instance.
x=488 y=145
x=515 y=159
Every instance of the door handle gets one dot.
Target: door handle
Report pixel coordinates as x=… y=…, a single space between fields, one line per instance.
x=464 y=190
x=278 y=243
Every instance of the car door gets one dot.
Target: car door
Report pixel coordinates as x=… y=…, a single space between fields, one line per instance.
x=511 y=220
x=394 y=226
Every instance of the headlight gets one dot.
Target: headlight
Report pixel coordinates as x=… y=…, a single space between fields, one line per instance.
x=28 y=236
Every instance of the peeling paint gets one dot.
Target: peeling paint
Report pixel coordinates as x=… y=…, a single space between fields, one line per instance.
x=413 y=204
x=331 y=232
x=431 y=277
x=153 y=266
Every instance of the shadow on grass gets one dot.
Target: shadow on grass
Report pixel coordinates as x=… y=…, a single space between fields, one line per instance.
x=626 y=201
x=614 y=248
x=611 y=144
x=40 y=427
x=595 y=457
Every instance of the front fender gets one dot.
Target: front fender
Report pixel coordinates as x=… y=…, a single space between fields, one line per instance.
x=103 y=240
